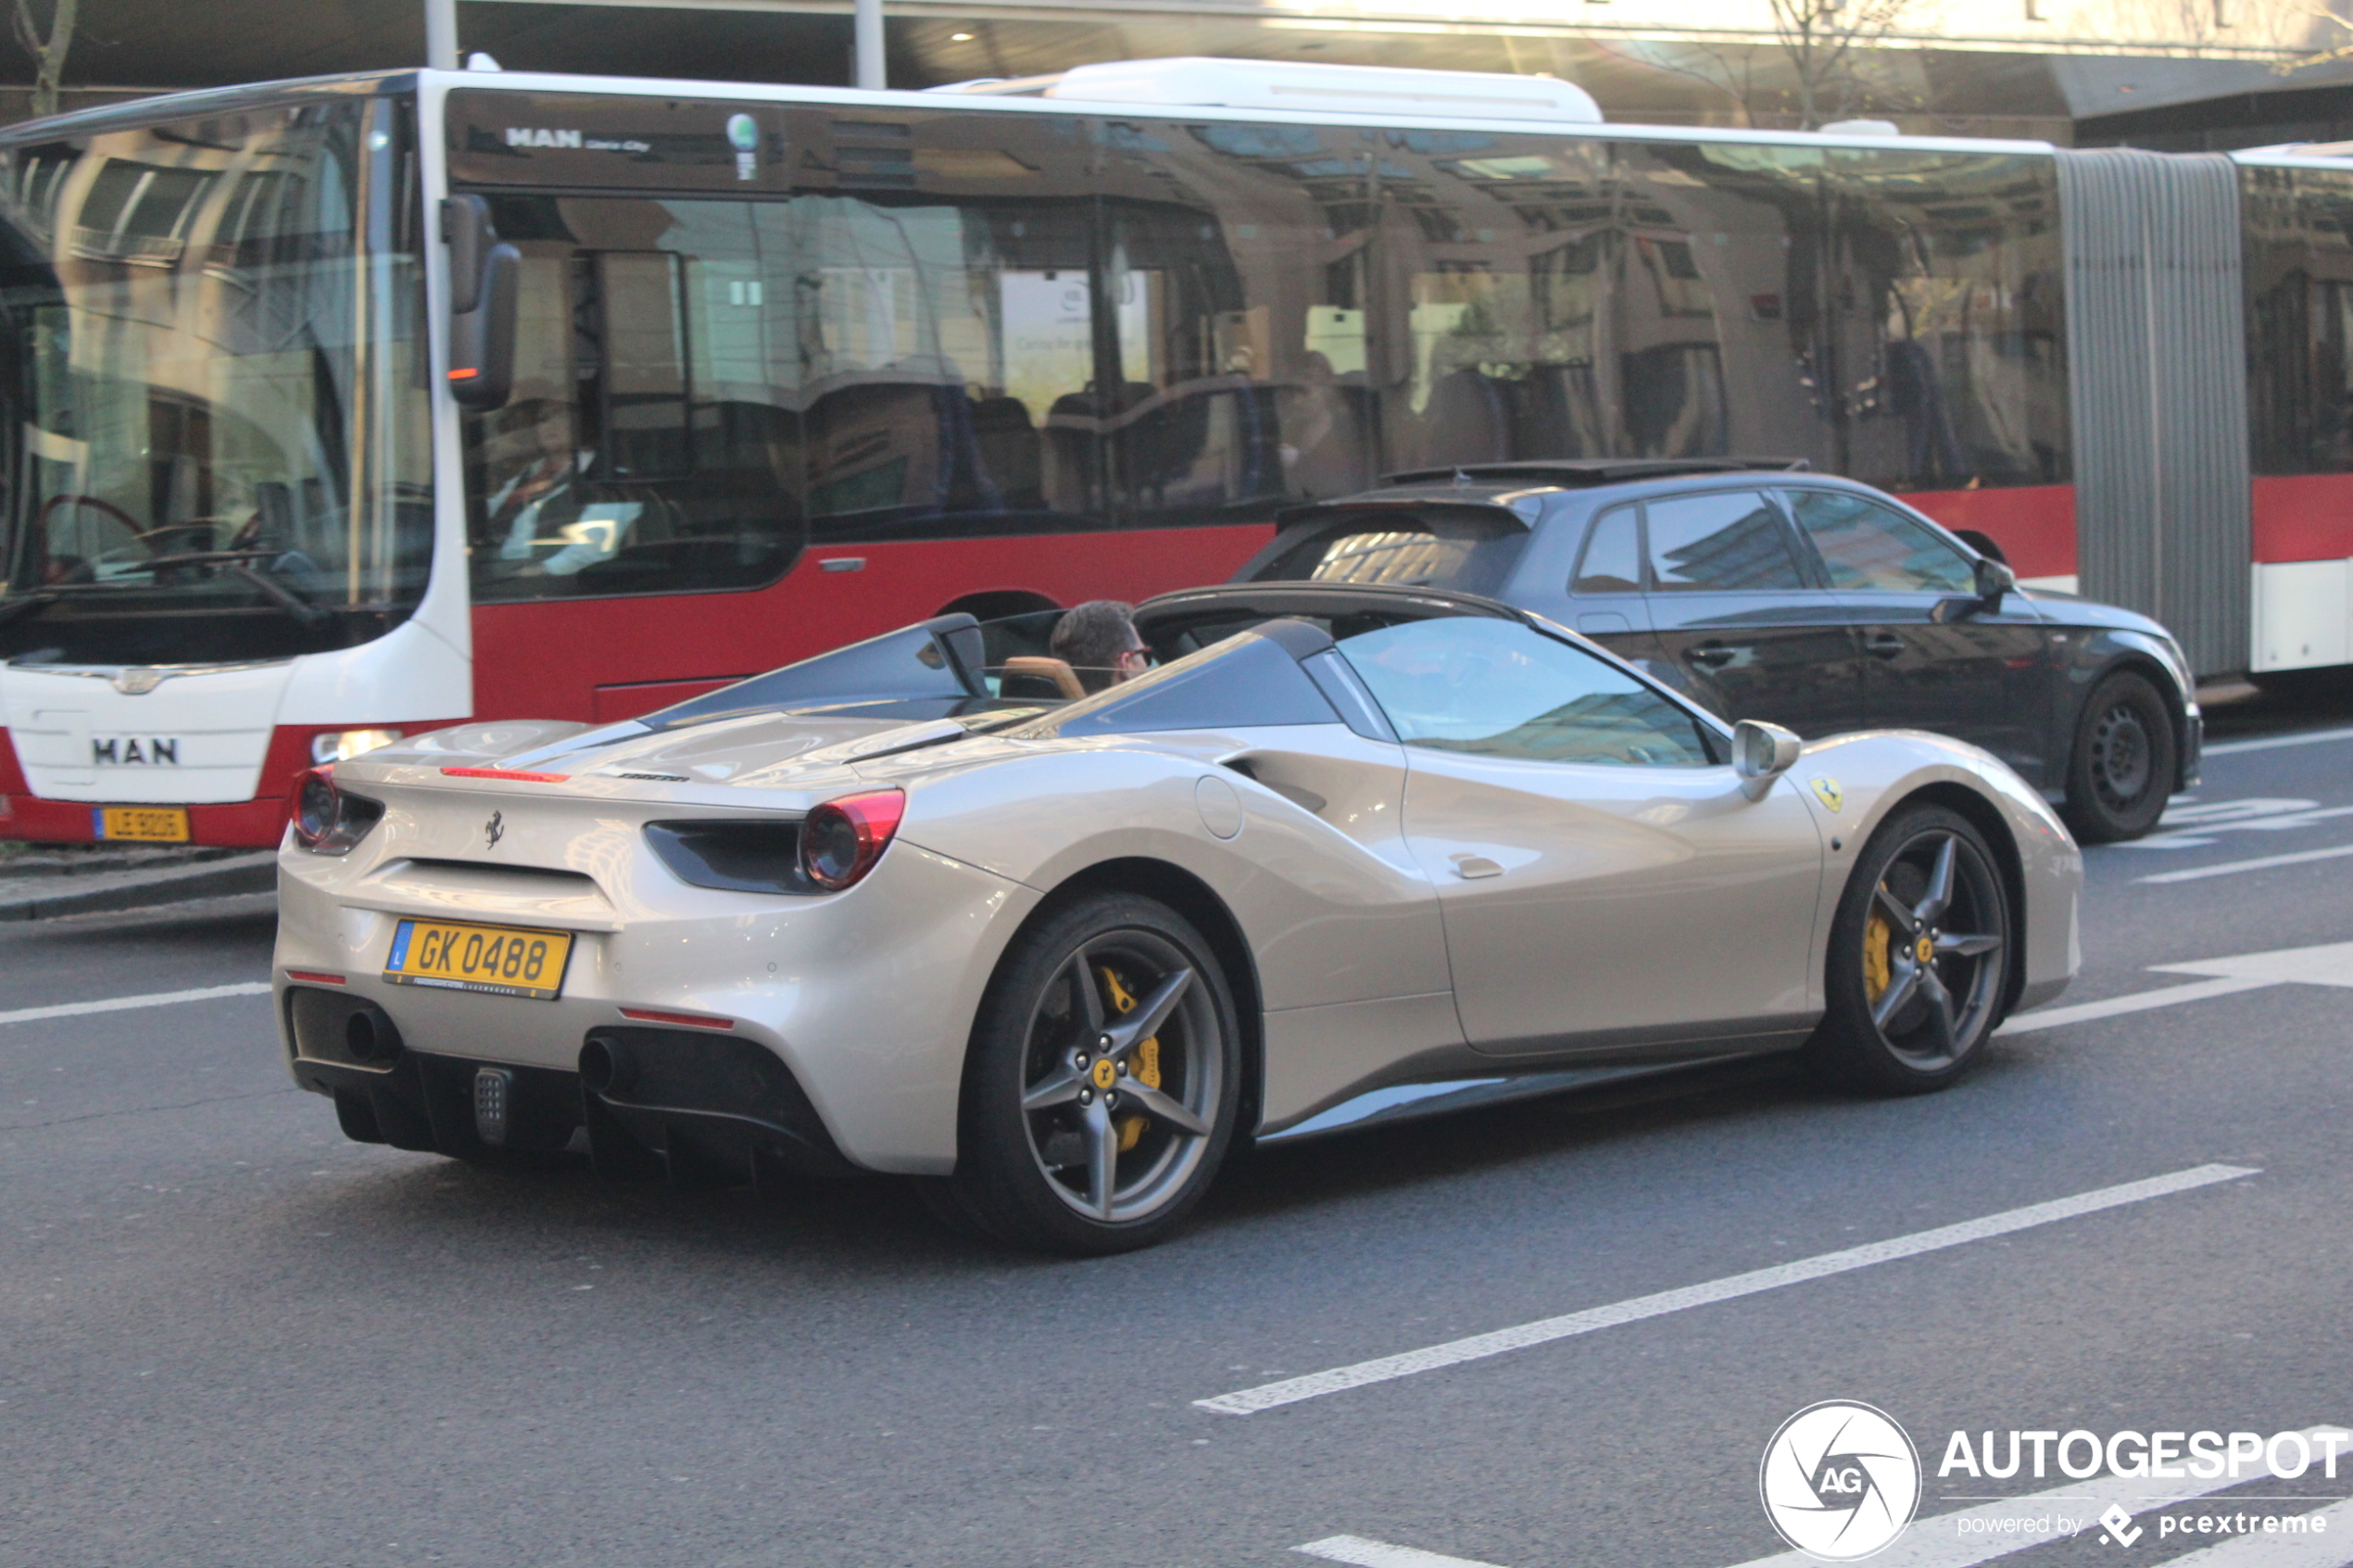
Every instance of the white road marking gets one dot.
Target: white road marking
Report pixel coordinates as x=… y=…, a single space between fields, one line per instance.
x=2140 y=1001
x=128 y=1004
x=2310 y=738
x=2330 y=963
x=1291 y=1390
x=2193 y=826
x=1949 y=1540
x=1380 y=1554
x=2329 y=1548
x=2265 y=862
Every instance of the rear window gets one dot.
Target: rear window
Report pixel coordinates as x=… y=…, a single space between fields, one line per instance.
x=1471 y=551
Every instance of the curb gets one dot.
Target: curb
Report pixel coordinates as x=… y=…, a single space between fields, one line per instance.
x=104 y=892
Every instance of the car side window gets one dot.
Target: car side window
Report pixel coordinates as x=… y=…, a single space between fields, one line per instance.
x=1496 y=688
x=1870 y=547
x=1720 y=541
x=1613 y=559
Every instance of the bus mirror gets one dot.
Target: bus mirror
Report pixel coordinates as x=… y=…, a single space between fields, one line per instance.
x=465 y=229
x=484 y=277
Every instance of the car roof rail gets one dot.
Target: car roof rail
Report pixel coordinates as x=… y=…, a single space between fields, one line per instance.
x=1587 y=472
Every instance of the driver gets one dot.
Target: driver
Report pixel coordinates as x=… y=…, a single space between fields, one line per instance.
x=1098 y=640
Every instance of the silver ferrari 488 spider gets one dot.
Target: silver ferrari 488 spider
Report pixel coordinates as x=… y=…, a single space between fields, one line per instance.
x=929 y=905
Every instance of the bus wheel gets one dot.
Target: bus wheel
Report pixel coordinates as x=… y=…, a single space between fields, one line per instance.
x=2121 y=770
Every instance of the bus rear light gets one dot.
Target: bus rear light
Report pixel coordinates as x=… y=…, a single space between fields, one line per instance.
x=342 y=746
x=841 y=840
x=326 y=820
x=512 y=774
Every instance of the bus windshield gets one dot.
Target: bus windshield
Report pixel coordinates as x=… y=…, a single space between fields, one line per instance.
x=211 y=356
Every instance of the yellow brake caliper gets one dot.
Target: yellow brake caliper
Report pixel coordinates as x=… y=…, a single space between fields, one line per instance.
x=1144 y=1066
x=1876 y=973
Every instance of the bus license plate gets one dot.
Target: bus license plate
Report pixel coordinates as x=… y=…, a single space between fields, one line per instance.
x=498 y=960
x=145 y=824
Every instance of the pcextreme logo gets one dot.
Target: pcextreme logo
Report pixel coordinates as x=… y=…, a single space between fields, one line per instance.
x=1840 y=1480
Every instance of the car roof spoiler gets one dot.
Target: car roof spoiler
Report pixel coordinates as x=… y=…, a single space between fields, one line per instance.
x=1585 y=472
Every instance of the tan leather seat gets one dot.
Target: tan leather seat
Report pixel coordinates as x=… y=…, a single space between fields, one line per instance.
x=1039 y=666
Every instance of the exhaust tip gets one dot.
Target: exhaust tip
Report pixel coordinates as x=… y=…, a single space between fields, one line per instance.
x=368 y=1037
x=606 y=1066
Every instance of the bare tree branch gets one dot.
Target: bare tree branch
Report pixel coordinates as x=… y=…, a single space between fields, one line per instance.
x=48 y=54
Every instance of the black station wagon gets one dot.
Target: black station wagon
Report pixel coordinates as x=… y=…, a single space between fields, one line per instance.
x=1768 y=592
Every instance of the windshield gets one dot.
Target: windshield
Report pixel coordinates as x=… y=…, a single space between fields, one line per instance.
x=215 y=429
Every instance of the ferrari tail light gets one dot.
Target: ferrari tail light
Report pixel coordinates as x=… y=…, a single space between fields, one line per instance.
x=841 y=840
x=326 y=820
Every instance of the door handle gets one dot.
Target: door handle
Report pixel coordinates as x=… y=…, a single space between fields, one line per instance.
x=1883 y=645
x=1712 y=656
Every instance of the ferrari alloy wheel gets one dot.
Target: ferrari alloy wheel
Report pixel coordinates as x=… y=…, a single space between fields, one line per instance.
x=2121 y=773
x=1100 y=1095
x=1920 y=957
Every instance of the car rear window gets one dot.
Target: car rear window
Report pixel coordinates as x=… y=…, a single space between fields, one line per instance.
x=1470 y=551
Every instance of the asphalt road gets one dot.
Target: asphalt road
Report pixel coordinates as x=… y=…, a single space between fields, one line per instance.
x=229 y=1336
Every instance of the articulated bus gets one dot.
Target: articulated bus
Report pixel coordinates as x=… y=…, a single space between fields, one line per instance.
x=343 y=409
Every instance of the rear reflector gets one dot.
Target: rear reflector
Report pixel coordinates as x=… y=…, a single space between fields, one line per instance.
x=685 y=1020
x=314 y=977
x=506 y=773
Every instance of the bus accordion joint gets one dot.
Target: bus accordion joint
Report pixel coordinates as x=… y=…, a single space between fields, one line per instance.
x=514 y=775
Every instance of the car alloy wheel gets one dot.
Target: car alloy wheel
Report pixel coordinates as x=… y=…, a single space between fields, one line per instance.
x=1920 y=957
x=1121 y=1076
x=1100 y=1094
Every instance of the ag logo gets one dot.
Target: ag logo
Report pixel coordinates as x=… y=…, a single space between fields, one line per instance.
x=1840 y=1480
x=1828 y=793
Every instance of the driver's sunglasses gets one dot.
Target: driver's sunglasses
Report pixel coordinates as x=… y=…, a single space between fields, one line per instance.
x=1142 y=656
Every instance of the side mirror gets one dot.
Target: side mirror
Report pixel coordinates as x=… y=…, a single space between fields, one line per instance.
x=1762 y=753
x=1993 y=580
x=485 y=275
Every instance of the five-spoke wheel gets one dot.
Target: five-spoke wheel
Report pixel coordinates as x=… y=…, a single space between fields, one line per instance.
x=1920 y=955
x=1101 y=1091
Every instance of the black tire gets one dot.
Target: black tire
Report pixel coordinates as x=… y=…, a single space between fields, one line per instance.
x=1950 y=1004
x=2122 y=768
x=1038 y=1131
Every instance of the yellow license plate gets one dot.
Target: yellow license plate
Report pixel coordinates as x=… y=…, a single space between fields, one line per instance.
x=498 y=960
x=148 y=824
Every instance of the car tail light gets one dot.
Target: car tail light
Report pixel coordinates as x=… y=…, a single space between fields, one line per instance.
x=841 y=840
x=326 y=820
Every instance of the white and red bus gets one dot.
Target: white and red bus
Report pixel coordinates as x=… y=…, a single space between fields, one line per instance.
x=340 y=408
